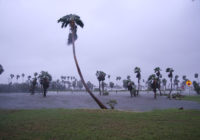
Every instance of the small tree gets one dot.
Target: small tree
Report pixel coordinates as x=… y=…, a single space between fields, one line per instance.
x=112 y=103
x=138 y=76
x=170 y=75
x=45 y=79
x=80 y=85
x=90 y=85
x=111 y=84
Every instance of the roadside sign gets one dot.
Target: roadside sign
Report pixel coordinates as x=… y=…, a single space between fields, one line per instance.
x=189 y=83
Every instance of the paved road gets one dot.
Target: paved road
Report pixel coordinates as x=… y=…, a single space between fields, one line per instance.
x=145 y=102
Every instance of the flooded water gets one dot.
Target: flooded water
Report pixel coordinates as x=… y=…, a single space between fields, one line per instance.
x=76 y=100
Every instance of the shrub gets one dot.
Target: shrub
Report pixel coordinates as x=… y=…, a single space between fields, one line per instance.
x=112 y=103
x=105 y=93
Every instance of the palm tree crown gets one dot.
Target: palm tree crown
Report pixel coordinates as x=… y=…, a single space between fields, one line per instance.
x=73 y=20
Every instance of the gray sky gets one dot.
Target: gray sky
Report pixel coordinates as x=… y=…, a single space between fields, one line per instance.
x=118 y=36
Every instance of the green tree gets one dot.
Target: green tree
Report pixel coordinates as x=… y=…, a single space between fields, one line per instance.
x=170 y=75
x=45 y=79
x=138 y=76
x=73 y=20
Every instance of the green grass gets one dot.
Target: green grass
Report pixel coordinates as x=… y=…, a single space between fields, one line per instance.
x=192 y=98
x=63 y=124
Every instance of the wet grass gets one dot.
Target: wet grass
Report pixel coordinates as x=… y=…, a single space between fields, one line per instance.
x=192 y=98
x=84 y=124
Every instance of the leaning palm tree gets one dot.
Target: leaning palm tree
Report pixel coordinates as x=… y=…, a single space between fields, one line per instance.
x=1 y=69
x=170 y=75
x=73 y=20
x=138 y=76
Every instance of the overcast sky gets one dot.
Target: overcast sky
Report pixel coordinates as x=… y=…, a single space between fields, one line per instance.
x=118 y=36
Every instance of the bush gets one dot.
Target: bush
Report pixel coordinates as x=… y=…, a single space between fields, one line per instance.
x=112 y=103
x=177 y=96
x=106 y=93
x=196 y=87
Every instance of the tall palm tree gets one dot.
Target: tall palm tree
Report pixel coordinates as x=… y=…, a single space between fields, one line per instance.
x=1 y=69
x=170 y=75
x=138 y=76
x=159 y=75
x=73 y=20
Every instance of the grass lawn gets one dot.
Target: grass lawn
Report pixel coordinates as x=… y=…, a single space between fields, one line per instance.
x=192 y=98
x=83 y=124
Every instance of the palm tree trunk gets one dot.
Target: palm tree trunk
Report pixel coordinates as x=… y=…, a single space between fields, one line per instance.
x=170 y=89
x=138 y=87
x=101 y=105
x=100 y=88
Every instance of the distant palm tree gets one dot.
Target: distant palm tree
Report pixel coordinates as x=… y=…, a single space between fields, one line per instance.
x=17 y=77
x=164 y=82
x=73 y=20
x=159 y=75
x=45 y=79
x=170 y=75
x=128 y=77
x=138 y=76
x=12 y=76
x=176 y=81
x=1 y=69
x=23 y=75
x=196 y=75
x=153 y=83
x=101 y=77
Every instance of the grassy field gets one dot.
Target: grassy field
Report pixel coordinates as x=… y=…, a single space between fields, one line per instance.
x=192 y=98
x=63 y=124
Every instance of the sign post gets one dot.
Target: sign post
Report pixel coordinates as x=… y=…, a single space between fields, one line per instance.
x=188 y=83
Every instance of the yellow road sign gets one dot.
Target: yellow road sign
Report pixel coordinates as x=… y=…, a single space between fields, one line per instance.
x=188 y=82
